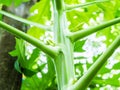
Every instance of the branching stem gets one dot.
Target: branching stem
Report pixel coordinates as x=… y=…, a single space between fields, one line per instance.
x=52 y=51
x=74 y=36
x=64 y=62
x=48 y=28
x=73 y=7
x=84 y=81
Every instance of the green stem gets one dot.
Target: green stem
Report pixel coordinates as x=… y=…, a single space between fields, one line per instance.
x=73 y=7
x=64 y=62
x=74 y=36
x=48 y=28
x=85 y=80
x=52 y=51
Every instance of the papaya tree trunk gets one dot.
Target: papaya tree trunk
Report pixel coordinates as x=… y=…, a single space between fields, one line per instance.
x=10 y=79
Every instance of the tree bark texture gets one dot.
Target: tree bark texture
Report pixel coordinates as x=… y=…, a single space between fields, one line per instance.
x=10 y=79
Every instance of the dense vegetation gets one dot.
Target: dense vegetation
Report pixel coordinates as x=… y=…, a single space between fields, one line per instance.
x=68 y=46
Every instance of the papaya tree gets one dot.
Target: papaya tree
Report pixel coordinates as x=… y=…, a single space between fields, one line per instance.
x=58 y=31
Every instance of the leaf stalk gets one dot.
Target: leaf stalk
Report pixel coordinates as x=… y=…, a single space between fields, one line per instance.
x=52 y=51
x=73 y=7
x=74 y=36
x=85 y=80
x=48 y=28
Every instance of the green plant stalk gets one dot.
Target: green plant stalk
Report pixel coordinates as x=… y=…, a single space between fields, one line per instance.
x=52 y=51
x=85 y=80
x=64 y=62
x=74 y=36
x=73 y=7
x=48 y=28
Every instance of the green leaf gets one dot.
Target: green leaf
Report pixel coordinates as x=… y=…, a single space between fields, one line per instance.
x=111 y=10
x=116 y=66
x=32 y=60
x=14 y=53
x=27 y=72
x=35 y=32
x=72 y=1
x=104 y=70
x=78 y=18
x=79 y=66
x=41 y=67
x=42 y=10
x=114 y=81
x=6 y=2
x=31 y=83
x=20 y=52
x=41 y=13
x=22 y=64
x=17 y=66
x=109 y=36
x=45 y=82
x=78 y=47
x=34 y=55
